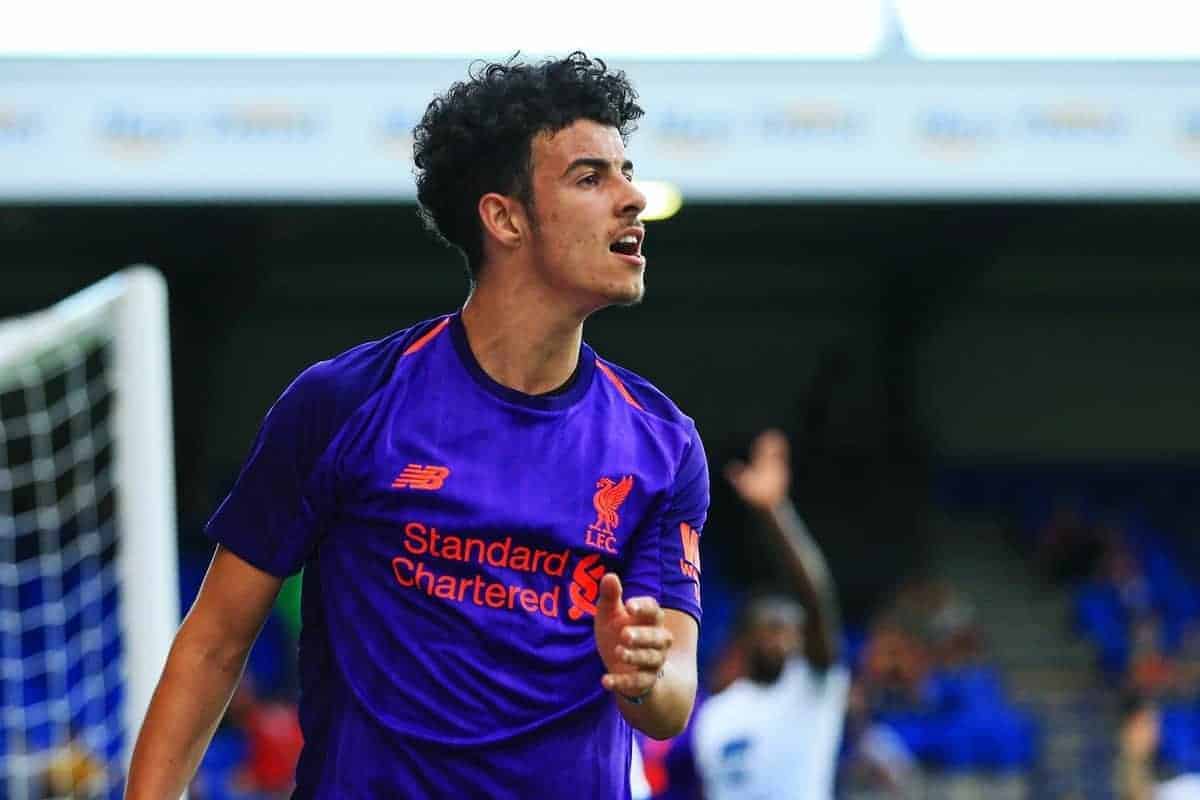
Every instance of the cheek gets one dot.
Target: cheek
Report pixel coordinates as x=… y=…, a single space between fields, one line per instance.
x=560 y=233
x=566 y=230
x=576 y=243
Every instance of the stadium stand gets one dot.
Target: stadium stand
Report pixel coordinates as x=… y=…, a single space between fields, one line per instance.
x=1116 y=540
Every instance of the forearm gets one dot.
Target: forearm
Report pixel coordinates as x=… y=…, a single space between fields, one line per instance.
x=808 y=571
x=1135 y=779
x=191 y=696
x=663 y=712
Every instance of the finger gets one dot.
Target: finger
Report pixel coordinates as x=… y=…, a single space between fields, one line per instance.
x=770 y=445
x=643 y=658
x=734 y=471
x=608 y=604
x=630 y=683
x=635 y=636
x=645 y=610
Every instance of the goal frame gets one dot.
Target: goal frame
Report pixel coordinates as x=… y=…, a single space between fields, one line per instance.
x=132 y=304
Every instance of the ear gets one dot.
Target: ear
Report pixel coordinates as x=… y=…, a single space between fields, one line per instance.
x=503 y=219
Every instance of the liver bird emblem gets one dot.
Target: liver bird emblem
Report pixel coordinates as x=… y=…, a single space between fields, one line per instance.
x=608 y=498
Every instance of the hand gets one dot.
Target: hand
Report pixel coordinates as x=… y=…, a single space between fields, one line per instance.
x=763 y=483
x=631 y=639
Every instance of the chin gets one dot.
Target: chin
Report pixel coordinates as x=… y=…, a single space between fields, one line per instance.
x=631 y=299
x=629 y=295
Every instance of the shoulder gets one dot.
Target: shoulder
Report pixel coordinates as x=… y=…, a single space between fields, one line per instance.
x=362 y=369
x=832 y=683
x=644 y=396
x=730 y=700
x=646 y=403
x=330 y=390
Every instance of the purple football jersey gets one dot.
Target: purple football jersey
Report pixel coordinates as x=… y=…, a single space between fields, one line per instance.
x=453 y=533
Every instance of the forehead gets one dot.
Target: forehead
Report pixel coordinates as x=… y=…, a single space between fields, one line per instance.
x=772 y=615
x=766 y=625
x=583 y=138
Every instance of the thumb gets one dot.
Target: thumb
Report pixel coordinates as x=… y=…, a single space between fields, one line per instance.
x=608 y=603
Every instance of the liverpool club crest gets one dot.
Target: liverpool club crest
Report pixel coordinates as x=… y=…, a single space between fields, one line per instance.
x=607 y=501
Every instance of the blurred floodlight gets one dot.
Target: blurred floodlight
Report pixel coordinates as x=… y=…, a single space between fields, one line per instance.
x=760 y=29
x=1153 y=30
x=662 y=199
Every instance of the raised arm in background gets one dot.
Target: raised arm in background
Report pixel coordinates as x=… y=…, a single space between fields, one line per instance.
x=763 y=484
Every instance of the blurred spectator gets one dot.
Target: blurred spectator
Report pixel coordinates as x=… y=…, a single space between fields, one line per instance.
x=273 y=740
x=1188 y=658
x=1110 y=607
x=1138 y=740
x=875 y=760
x=1068 y=547
x=253 y=753
x=1123 y=570
x=926 y=684
x=895 y=667
x=1152 y=672
x=774 y=732
x=1139 y=608
x=74 y=771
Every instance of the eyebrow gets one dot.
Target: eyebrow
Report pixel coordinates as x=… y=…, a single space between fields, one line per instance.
x=596 y=163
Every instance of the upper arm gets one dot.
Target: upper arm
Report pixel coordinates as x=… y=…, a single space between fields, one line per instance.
x=232 y=605
x=665 y=562
x=274 y=516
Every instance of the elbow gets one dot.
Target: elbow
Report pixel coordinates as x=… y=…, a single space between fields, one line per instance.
x=194 y=650
x=673 y=715
x=662 y=729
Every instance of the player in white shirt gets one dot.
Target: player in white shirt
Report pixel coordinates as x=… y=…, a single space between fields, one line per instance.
x=774 y=734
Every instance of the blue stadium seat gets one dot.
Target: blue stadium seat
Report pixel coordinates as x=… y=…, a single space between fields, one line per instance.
x=1179 y=745
x=1100 y=617
x=226 y=753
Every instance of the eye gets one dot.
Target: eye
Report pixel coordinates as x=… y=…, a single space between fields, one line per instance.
x=628 y=176
x=591 y=179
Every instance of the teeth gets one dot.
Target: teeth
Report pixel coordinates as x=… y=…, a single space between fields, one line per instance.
x=628 y=239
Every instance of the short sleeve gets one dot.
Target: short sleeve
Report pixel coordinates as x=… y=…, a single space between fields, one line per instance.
x=666 y=559
x=274 y=515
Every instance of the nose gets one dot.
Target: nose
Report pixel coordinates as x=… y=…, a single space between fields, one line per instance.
x=633 y=202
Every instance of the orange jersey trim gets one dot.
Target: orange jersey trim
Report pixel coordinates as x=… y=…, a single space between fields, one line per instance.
x=427 y=338
x=608 y=373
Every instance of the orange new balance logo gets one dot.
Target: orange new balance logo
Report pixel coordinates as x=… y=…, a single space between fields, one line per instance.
x=416 y=476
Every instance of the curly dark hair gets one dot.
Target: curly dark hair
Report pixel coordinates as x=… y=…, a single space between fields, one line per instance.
x=476 y=138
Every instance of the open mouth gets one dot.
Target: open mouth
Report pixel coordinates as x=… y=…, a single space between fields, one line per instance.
x=629 y=244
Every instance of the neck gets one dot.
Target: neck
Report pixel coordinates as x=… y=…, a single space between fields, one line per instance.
x=520 y=339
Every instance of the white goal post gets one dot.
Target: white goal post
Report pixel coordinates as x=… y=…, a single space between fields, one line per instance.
x=89 y=374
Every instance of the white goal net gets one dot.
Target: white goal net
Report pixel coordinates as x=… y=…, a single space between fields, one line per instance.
x=88 y=588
